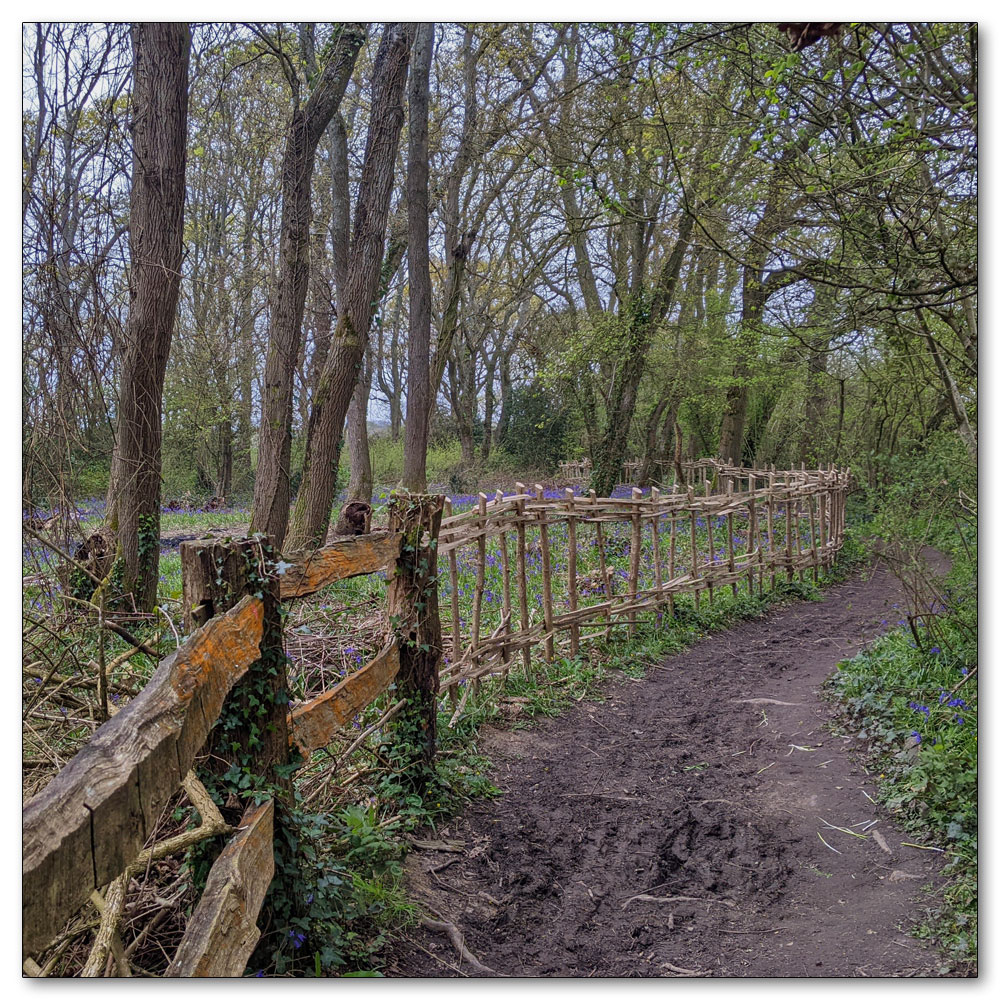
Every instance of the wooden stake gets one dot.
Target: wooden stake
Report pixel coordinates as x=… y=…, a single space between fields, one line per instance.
x=694 y=551
x=604 y=564
x=729 y=539
x=812 y=539
x=574 y=630
x=789 y=568
x=522 y=574
x=412 y=603
x=456 y=632
x=798 y=542
x=477 y=600
x=672 y=557
x=823 y=532
x=215 y=576
x=657 y=567
x=505 y=568
x=543 y=539
x=711 y=557
x=635 y=555
x=770 y=529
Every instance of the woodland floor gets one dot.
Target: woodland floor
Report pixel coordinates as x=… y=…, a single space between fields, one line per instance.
x=704 y=786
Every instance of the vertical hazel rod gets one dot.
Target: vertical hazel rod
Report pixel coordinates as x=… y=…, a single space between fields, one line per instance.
x=543 y=538
x=657 y=567
x=522 y=575
x=456 y=634
x=729 y=540
x=694 y=550
x=602 y=557
x=574 y=629
x=635 y=556
x=505 y=568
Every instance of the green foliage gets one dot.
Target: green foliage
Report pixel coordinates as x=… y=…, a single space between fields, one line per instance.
x=913 y=691
x=536 y=437
x=387 y=460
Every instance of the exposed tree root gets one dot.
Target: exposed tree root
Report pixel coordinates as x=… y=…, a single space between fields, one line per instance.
x=458 y=940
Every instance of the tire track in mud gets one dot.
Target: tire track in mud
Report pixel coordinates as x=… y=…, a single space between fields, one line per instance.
x=676 y=825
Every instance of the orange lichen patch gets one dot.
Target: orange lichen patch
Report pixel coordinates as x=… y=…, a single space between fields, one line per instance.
x=225 y=645
x=222 y=931
x=342 y=559
x=315 y=723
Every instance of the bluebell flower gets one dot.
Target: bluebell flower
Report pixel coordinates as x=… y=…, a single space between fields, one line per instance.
x=916 y=736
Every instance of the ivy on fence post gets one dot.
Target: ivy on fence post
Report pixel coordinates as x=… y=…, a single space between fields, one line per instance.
x=249 y=748
x=413 y=614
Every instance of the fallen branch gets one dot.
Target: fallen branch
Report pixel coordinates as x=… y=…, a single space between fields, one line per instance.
x=112 y=904
x=678 y=971
x=643 y=898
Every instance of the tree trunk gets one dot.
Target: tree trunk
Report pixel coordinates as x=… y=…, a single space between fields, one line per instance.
x=156 y=233
x=641 y=318
x=309 y=122
x=418 y=386
x=734 y=416
x=311 y=517
x=361 y=482
x=965 y=430
x=488 y=406
x=463 y=422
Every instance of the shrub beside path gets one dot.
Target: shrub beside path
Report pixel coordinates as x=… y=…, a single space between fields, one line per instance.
x=687 y=825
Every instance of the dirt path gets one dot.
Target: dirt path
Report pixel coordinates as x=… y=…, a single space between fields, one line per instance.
x=705 y=786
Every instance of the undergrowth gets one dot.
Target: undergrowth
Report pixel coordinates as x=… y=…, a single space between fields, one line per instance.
x=914 y=692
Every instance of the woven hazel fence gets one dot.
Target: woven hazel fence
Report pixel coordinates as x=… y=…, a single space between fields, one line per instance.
x=550 y=568
x=554 y=569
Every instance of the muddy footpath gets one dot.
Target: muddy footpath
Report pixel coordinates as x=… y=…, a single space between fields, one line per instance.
x=684 y=825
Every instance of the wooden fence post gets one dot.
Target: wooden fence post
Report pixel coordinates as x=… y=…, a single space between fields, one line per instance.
x=252 y=731
x=413 y=614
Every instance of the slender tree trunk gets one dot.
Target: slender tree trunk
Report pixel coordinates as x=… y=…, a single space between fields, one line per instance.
x=311 y=517
x=965 y=430
x=309 y=122
x=641 y=318
x=418 y=386
x=463 y=421
x=361 y=482
x=156 y=233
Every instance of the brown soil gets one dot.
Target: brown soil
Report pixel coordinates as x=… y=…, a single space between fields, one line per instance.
x=705 y=786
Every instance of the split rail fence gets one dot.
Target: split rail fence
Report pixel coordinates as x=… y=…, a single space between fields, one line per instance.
x=566 y=567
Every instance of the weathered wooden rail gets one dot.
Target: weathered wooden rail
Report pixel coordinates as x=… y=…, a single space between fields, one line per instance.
x=87 y=828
